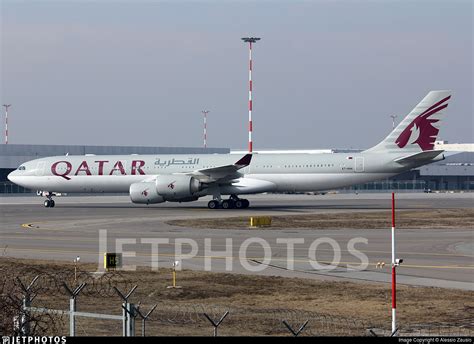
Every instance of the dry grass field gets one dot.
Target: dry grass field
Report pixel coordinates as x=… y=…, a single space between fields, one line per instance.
x=413 y=219
x=257 y=304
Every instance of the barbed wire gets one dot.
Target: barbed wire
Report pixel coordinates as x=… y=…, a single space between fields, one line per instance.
x=269 y=321
x=51 y=283
x=13 y=318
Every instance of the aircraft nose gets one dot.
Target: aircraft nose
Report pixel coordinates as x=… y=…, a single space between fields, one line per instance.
x=12 y=176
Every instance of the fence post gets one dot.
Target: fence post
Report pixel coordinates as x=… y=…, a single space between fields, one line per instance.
x=144 y=317
x=214 y=323
x=131 y=320
x=125 y=317
x=72 y=306
x=126 y=310
x=72 y=318
x=132 y=313
x=295 y=333
x=24 y=319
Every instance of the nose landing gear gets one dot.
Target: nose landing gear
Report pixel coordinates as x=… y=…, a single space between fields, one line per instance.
x=49 y=202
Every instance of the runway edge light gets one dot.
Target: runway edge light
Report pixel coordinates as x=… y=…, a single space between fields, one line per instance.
x=174 y=286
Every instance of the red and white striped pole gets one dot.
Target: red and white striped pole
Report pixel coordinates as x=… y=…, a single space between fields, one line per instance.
x=250 y=99
x=6 y=121
x=250 y=40
x=394 y=271
x=205 y=112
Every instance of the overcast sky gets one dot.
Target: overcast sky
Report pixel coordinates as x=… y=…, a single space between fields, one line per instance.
x=326 y=73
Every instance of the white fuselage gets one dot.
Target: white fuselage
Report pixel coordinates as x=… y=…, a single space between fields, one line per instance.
x=266 y=172
x=180 y=178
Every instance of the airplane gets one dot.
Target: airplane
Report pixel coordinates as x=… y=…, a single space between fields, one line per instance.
x=151 y=179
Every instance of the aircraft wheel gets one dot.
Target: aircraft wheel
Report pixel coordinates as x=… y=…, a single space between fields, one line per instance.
x=213 y=204
x=227 y=204
x=47 y=203
x=246 y=203
x=239 y=204
x=52 y=204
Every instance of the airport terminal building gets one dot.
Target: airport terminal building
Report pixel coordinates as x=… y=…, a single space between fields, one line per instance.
x=455 y=173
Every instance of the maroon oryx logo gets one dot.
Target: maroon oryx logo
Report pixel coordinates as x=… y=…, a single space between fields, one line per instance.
x=145 y=192
x=421 y=130
x=171 y=185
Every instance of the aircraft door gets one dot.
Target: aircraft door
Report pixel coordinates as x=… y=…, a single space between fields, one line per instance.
x=359 y=164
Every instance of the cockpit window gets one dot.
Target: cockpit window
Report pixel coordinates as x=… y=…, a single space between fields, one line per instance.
x=21 y=168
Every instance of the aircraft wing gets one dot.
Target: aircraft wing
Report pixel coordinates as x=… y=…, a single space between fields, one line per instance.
x=222 y=173
x=419 y=157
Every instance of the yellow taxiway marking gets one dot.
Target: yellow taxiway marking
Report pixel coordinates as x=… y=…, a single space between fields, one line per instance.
x=32 y=225
x=168 y=255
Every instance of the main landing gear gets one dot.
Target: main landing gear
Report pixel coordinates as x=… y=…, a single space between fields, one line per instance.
x=232 y=203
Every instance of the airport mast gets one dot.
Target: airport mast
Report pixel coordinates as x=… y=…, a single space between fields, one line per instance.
x=250 y=40
x=395 y=263
x=6 y=121
x=205 y=112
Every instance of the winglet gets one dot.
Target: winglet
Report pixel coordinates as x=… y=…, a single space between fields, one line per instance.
x=244 y=161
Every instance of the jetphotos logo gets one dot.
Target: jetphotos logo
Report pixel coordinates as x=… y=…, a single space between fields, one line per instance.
x=252 y=254
x=421 y=130
x=33 y=340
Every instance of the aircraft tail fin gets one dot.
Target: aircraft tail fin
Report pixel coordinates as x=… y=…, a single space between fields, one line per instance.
x=417 y=132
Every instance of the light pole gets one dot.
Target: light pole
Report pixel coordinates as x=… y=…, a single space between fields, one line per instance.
x=205 y=112
x=76 y=260
x=6 y=121
x=250 y=40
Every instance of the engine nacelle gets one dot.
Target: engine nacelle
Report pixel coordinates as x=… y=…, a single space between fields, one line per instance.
x=145 y=193
x=177 y=187
x=186 y=199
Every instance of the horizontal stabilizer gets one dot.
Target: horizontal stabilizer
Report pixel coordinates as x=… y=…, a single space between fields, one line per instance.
x=421 y=157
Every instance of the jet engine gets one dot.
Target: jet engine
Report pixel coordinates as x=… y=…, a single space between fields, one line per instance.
x=173 y=188
x=145 y=193
x=176 y=187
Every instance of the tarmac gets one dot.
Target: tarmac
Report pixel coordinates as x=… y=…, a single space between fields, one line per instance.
x=431 y=257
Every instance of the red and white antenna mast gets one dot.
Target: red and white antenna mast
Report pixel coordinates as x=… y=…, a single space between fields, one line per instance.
x=250 y=40
x=205 y=112
x=395 y=263
x=6 y=121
